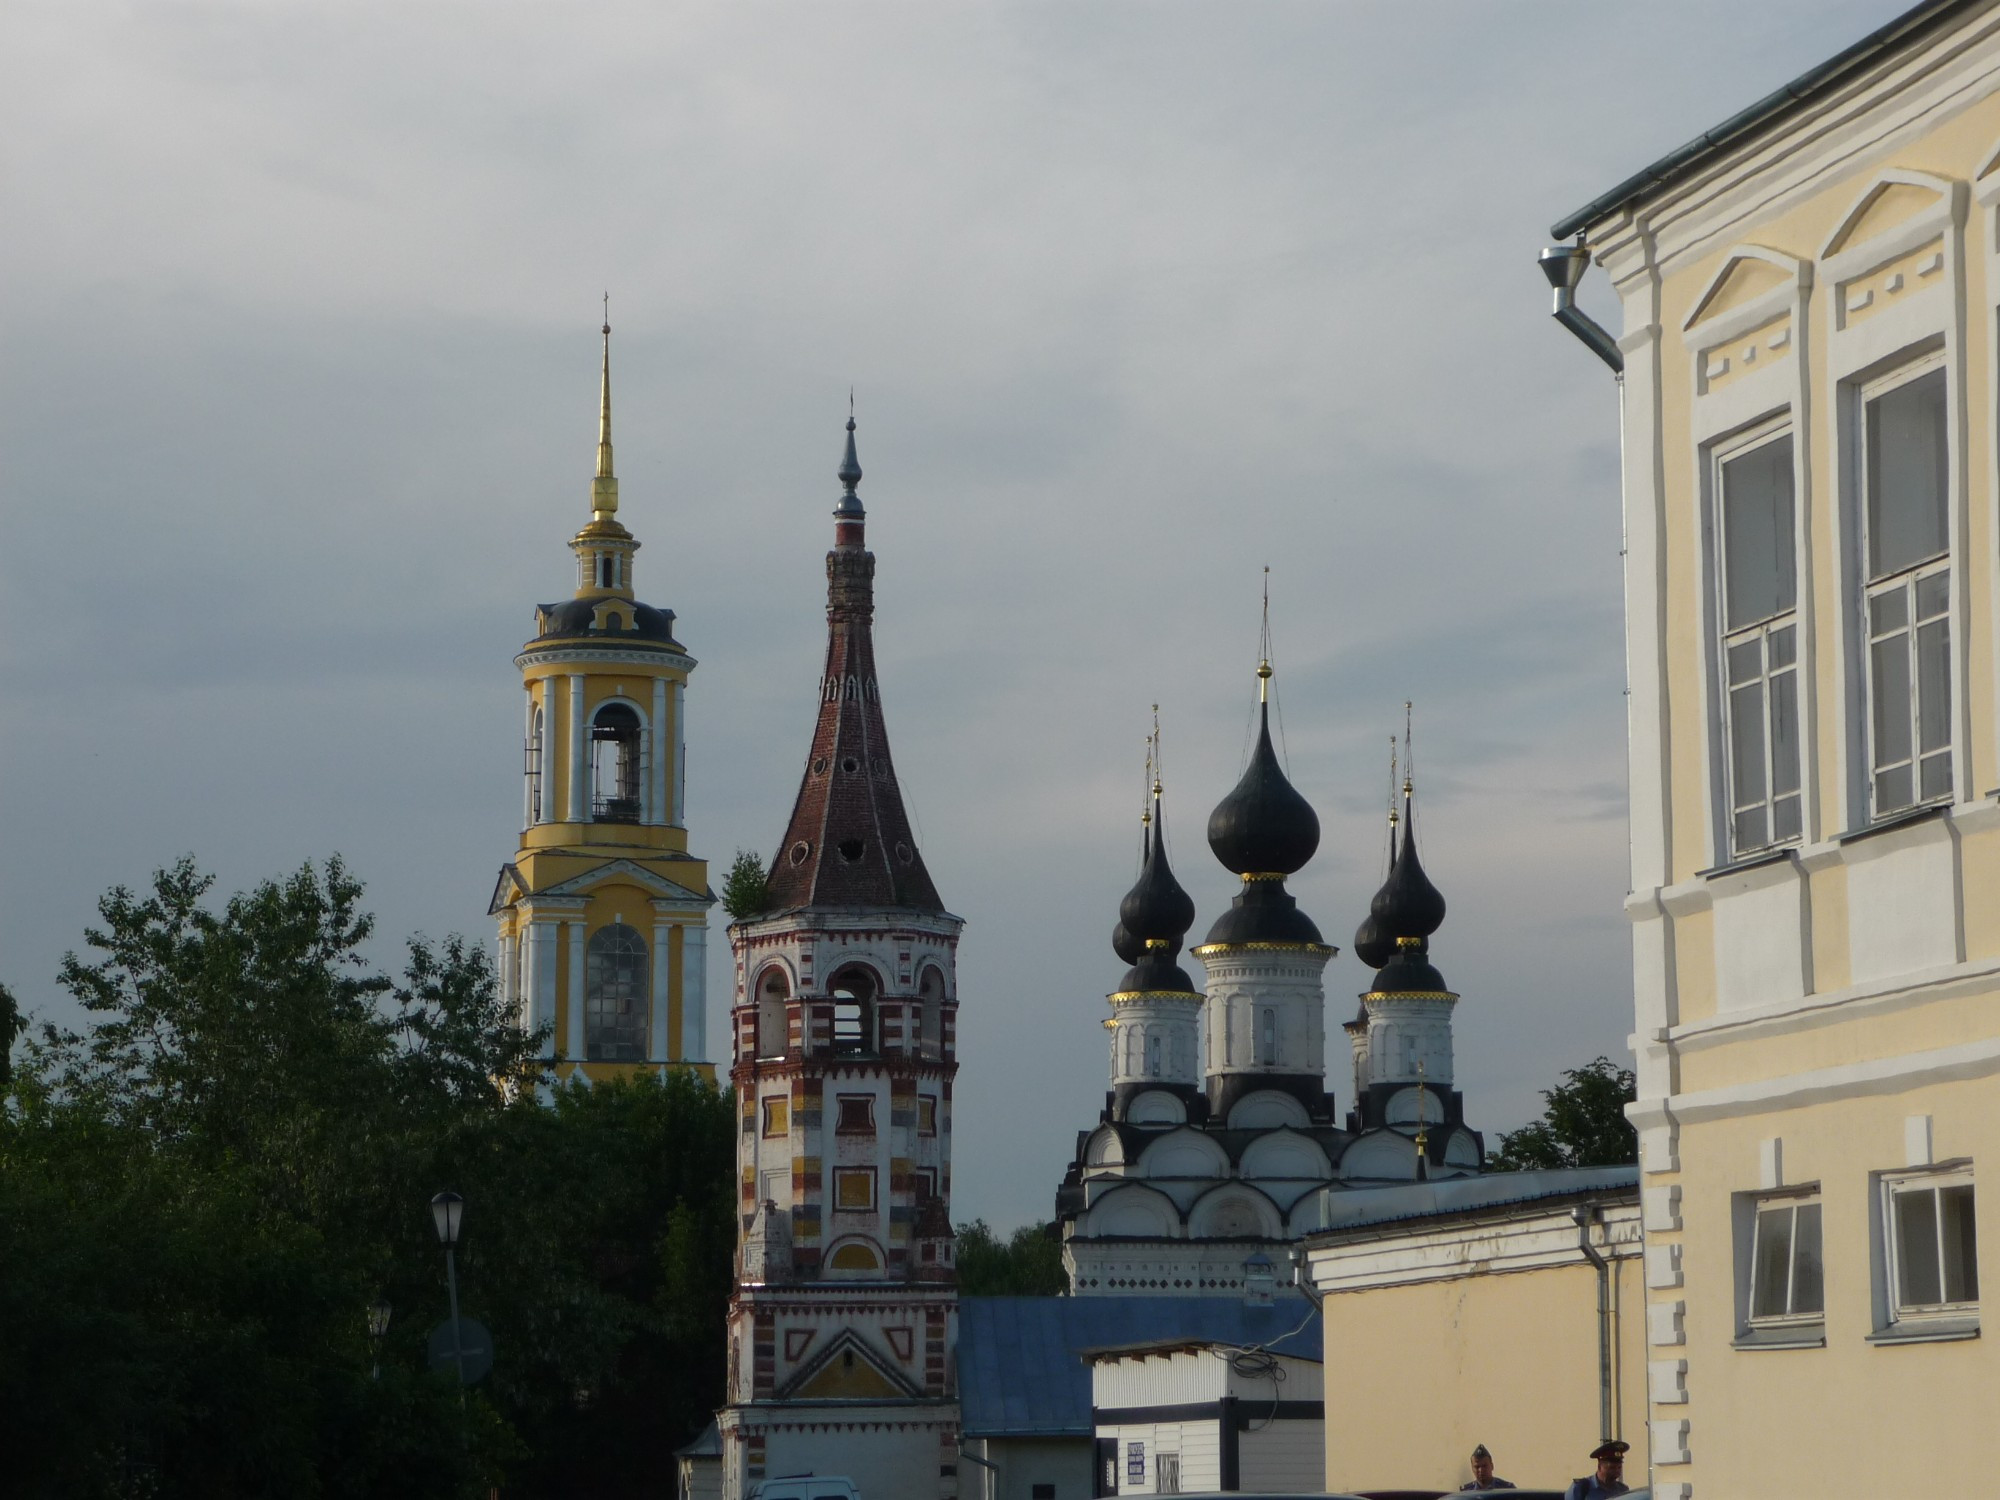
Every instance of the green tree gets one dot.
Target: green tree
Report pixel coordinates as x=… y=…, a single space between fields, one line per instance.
x=747 y=890
x=12 y=1024
x=203 y=1189
x=1583 y=1126
x=1028 y=1263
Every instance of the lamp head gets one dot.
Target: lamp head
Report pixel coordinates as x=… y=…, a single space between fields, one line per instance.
x=446 y=1211
x=378 y=1319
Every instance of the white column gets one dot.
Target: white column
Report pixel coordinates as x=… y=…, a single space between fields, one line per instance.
x=579 y=806
x=680 y=755
x=503 y=969
x=662 y=988
x=694 y=992
x=527 y=782
x=656 y=750
x=574 y=1047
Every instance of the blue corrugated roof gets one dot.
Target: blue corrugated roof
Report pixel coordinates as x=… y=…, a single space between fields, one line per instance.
x=1021 y=1371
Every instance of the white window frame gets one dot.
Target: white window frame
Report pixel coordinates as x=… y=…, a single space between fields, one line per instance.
x=1761 y=1204
x=1933 y=1180
x=1906 y=582
x=1719 y=455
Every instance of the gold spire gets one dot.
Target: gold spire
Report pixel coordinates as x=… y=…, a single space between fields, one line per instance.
x=604 y=487
x=1264 y=653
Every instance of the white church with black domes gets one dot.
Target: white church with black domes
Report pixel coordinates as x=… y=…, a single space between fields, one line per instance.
x=1220 y=1139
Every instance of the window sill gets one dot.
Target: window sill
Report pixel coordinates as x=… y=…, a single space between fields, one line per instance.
x=1789 y=1336
x=1939 y=1331
x=1748 y=862
x=1893 y=822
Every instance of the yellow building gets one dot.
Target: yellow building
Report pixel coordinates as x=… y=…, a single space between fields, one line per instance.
x=1506 y=1309
x=603 y=913
x=1810 y=296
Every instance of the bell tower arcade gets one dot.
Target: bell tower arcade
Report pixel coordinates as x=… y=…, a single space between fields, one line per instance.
x=603 y=912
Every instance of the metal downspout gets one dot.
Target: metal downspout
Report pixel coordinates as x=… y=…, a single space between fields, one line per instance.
x=990 y=1482
x=1584 y=1218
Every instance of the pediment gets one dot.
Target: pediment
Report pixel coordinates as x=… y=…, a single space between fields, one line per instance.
x=1750 y=272
x=1892 y=200
x=627 y=872
x=847 y=1369
x=508 y=889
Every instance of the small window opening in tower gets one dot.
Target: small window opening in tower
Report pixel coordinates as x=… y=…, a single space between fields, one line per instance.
x=614 y=1014
x=850 y=849
x=1153 y=1057
x=614 y=764
x=853 y=993
x=1267 y=1038
x=930 y=1014
x=532 y=768
x=604 y=570
x=773 y=991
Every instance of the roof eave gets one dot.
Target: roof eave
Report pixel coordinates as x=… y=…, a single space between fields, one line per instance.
x=1682 y=160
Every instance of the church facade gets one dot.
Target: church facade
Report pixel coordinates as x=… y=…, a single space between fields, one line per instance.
x=843 y=1322
x=603 y=911
x=1219 y=1137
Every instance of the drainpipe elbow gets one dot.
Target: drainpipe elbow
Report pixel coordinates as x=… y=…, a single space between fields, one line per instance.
x=1564 y=266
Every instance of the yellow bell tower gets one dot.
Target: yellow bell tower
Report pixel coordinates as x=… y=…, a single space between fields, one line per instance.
x=603 y=913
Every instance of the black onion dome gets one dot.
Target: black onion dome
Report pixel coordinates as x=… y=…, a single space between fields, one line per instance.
x=1371 y=946
x=1410 y=972
x=1152 y=919
x=1157 y=909
x=1265 y=913
x=1408 y=905
x=1263 y=827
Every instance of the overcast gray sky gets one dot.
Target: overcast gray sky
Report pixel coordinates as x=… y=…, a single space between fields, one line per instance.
x=297 y=414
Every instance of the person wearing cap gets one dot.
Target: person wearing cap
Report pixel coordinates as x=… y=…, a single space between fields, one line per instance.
x=1610 y=1476
x=1483 y=1477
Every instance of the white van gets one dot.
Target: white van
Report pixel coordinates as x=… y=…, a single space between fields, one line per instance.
x=806 y=1487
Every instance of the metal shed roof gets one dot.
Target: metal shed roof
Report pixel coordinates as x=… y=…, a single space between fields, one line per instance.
x=1021 y=1371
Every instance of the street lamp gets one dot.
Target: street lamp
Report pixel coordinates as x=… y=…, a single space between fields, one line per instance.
x=378 y=1328
x=446 y=1211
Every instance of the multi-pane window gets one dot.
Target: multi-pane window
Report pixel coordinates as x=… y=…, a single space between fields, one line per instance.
x=1760 y=645
x=1787 y=1283
x=1907 y=560
x=614 y=1013
x=1933 y=1245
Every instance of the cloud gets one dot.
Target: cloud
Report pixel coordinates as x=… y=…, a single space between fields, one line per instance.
x=1137 y=299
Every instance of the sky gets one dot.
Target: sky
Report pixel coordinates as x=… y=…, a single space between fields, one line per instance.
x=298 y=384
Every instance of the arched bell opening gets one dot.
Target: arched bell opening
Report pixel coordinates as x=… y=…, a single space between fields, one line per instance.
x=614 y=1007
x=615 y=775
x=930 y=1013
x=774 y=990
x=532 y=766
x=854 y=991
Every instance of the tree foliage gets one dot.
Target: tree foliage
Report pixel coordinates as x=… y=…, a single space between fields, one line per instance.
x=202 y=1191
x=746 y=891
x=1028 y=1263
x=1583 y=1126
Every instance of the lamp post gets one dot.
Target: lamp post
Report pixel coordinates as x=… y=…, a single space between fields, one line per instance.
x=378 y=1327
x=446 y=1211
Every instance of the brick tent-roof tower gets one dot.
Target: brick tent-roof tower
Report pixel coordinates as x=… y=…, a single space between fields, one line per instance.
x=848 y=842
